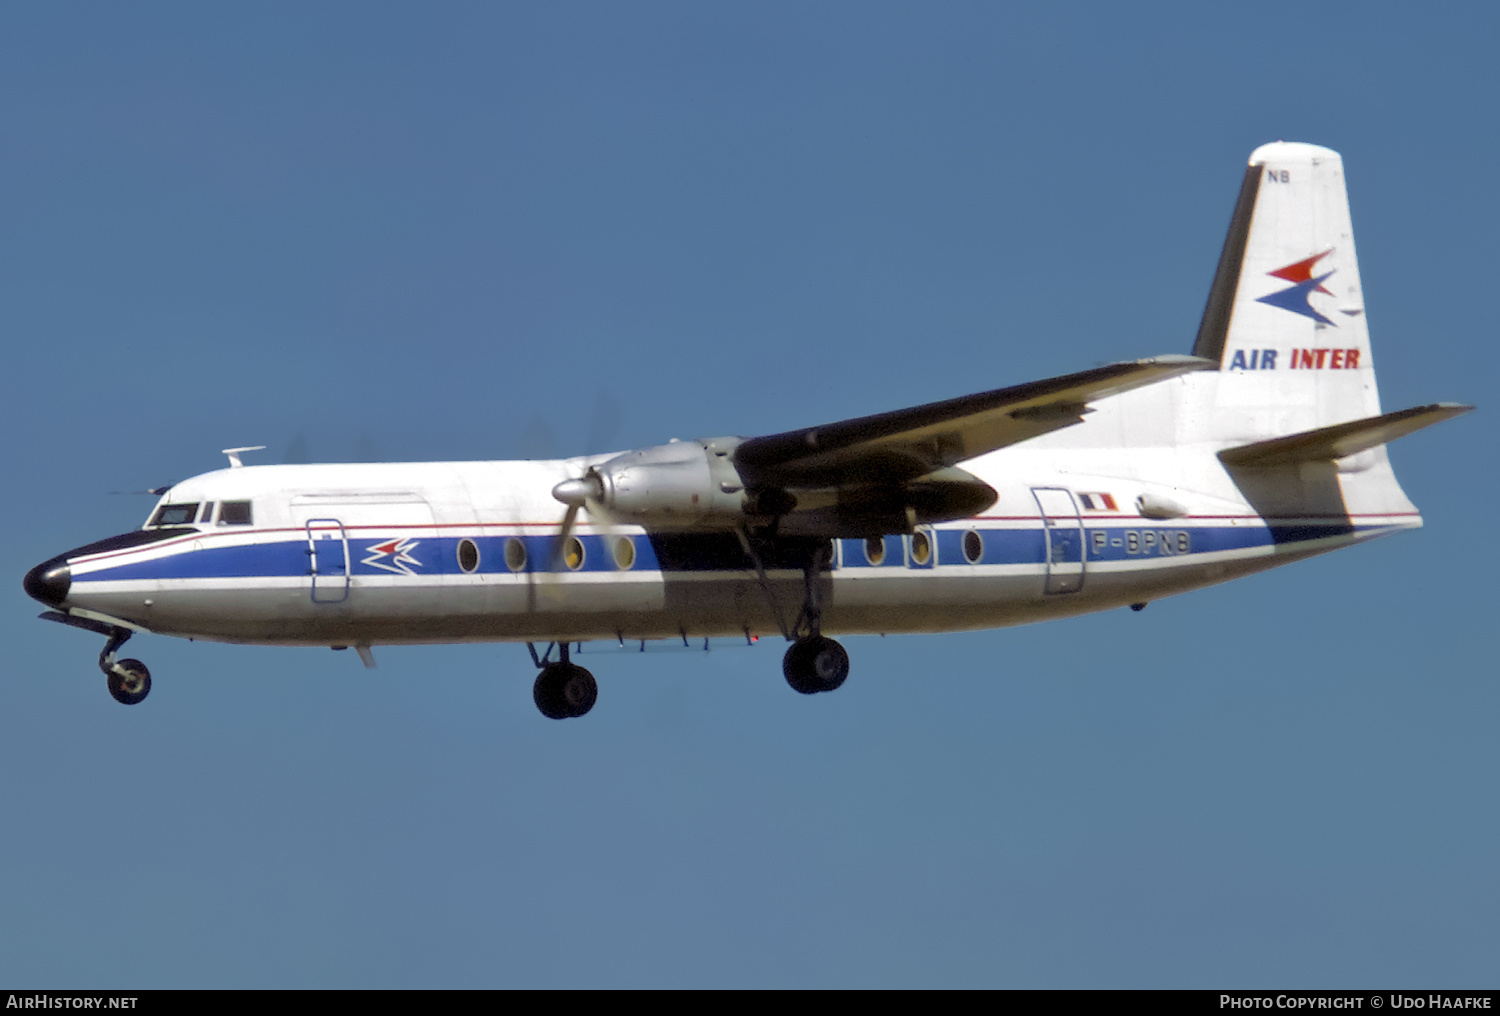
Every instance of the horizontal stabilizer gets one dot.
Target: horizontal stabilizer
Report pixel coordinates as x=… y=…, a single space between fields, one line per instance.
x=913 y=442
x=1341 y=439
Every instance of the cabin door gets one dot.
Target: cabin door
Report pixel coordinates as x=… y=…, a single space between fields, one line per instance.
x=328 y=560
x=1064 y=535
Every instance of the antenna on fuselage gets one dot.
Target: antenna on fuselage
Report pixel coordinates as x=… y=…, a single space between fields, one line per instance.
x=234 y=454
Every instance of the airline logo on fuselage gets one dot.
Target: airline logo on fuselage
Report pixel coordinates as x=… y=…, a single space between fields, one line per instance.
x=1304 y=284
x=393 y=556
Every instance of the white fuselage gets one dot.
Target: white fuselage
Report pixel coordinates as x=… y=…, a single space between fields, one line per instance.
x=463 y=551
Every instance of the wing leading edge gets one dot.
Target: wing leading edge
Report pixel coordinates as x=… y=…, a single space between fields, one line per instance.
x=909 y=443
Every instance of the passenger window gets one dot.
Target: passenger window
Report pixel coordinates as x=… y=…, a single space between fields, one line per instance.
x=234 y=513
x=175 y=514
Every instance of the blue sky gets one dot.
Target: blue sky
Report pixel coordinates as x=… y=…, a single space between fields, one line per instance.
x=455 y=231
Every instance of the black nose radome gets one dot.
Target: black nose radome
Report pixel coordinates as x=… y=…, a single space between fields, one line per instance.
x=49 y=582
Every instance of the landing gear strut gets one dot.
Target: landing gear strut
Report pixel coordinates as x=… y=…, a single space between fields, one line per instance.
x=562 y=689
x=129 y=681
x=813 y=662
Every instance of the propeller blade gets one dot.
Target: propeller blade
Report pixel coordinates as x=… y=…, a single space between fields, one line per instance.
x=583 y=493
x=554 y=557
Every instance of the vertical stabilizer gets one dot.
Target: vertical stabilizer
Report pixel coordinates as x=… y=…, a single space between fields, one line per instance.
x=1286 y=316
x=1215 y=325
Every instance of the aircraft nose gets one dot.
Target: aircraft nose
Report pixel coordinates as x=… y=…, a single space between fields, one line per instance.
x=49 y=582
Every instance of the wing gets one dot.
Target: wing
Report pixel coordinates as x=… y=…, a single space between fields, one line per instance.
x=910 y=443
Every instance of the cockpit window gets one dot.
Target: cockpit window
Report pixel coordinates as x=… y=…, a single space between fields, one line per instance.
x=208 y=513
x=235 y=513
x=174 y=515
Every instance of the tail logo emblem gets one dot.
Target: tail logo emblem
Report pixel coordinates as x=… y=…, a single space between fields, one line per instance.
x=393 y=556
x=1304 y=283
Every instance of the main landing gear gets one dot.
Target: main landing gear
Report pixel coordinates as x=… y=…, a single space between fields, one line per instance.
x=563 y=689
x=813 y=662
x=129 y=681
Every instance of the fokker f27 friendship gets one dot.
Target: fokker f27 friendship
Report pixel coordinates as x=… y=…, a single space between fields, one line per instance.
x=1110 y=487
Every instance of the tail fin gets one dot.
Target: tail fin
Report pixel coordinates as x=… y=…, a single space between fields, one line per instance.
x=1285 y=318
x=1293 y=406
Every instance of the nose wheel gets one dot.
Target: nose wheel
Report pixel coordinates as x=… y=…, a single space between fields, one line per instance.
x=129 y=681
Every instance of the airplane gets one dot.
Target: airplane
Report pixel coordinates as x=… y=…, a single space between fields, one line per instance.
x=1109 y=487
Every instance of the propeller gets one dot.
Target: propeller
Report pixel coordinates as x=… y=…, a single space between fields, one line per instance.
x=579 y=493
x=586 y=492
x=583 y=493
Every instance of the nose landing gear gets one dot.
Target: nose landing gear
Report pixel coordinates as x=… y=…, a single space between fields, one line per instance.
x=129 y=681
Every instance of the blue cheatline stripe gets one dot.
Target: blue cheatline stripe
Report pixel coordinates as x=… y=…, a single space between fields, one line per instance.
x=710 y=552
x=255 y=560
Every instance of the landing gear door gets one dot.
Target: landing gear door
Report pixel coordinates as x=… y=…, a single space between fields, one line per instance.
x=328 y=560
x=1064 y=535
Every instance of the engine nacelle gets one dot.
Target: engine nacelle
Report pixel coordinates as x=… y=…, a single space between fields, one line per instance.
x=696 y=485
x=685 y=483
